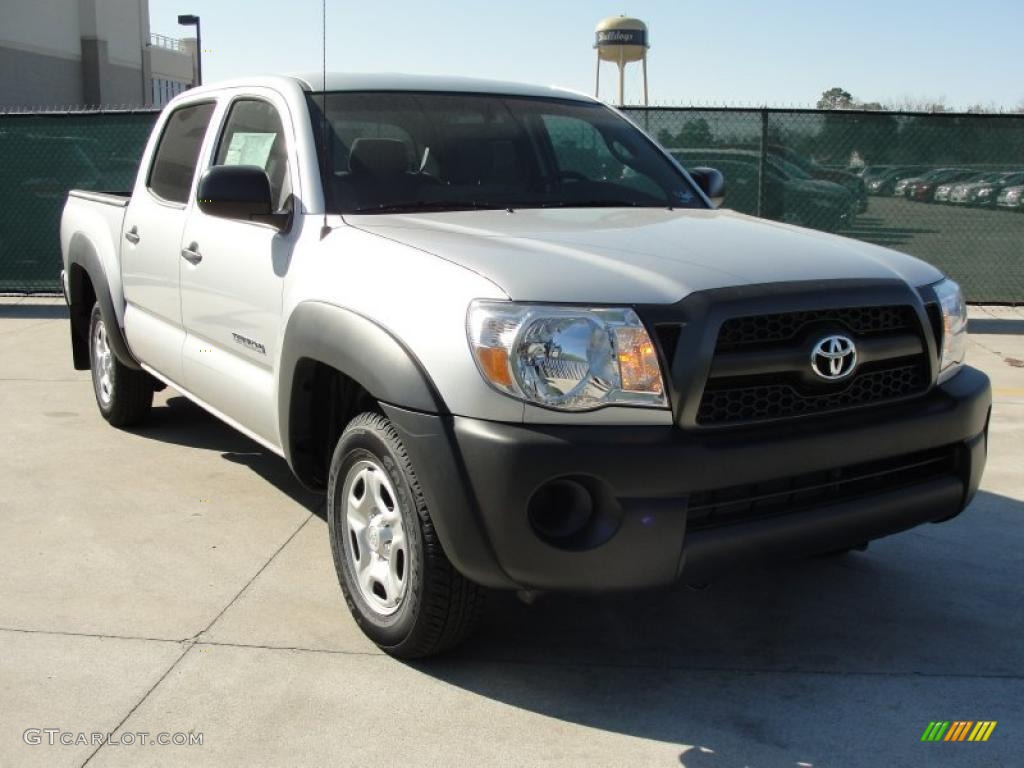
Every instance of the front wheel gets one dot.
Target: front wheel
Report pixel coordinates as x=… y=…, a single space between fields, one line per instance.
x=124 y=396
x=399 y=585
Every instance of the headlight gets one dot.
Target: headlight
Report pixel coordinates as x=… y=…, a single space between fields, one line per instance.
x=954 y=327
x=985 y=192
x=566 y=358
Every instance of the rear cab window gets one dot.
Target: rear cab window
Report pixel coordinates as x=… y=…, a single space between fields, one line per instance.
x=177 y=153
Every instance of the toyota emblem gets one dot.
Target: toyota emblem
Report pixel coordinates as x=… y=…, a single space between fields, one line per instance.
x=834 y=357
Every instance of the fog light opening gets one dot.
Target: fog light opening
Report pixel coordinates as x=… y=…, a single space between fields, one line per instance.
x=560 y=511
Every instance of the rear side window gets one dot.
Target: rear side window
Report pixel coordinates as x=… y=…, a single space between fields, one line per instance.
x=174 y=163
x=253 y=136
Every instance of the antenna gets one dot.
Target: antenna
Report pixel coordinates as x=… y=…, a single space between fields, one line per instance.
x=326 y=164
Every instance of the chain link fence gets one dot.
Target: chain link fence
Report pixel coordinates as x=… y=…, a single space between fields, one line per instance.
x=44 y=155
x=946 y=188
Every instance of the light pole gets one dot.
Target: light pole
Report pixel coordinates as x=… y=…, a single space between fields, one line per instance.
x=188 y=20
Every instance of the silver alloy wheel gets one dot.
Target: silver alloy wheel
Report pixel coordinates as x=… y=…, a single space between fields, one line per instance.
x=375 y=537
x=102 y=364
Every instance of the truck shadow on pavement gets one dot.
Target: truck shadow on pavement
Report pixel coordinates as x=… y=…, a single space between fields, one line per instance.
x=786 y=665
x=182 y=422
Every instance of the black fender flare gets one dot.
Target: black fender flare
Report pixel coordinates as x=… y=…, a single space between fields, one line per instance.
x=359 y=348
x=373 y=357
x=82 y=254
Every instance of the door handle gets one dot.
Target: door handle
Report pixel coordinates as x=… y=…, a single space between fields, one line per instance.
x=192 y=254
x=132 y=235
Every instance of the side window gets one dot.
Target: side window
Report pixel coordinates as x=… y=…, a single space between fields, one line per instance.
x=253 y=135
x=174 y=162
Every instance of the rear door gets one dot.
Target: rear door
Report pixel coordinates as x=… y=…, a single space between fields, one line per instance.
x=151 y=250
x=231 y=295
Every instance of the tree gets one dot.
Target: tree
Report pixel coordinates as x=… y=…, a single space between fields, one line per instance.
x=665 y=138
x=835 y=98
x=695 y=133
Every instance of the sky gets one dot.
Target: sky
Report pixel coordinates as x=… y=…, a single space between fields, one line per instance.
x=732 y=52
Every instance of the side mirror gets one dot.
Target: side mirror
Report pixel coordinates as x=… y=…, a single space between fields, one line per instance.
x=711 y=183
x=239 y=192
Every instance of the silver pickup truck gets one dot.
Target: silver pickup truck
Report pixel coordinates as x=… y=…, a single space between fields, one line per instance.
x=516 y=343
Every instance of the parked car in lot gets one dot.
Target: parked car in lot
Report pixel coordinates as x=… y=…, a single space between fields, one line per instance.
x=959 y=190
x=984 y=191
x=902 y=184
x=515 y=344
x=814 y=170
x=943 y=191
x=868 y=172
x=853 y=183
x=790 y=195
x=884 y=183
x=923 y=190
x=1011 y=198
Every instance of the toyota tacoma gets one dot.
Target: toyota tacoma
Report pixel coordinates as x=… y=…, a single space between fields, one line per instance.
x=516 y=344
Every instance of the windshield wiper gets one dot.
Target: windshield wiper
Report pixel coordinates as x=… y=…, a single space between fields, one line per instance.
x=436 y=205
x=592 y=204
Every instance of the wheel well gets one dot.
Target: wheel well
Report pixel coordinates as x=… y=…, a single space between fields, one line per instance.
x=323 y=401
x=81 y=298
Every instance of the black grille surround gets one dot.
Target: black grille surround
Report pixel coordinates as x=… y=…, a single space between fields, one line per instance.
x=761 y=370
x=742 y=503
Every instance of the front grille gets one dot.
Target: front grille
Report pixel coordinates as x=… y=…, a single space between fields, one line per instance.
x=741 y=388
x=776 y=401
x=784 y=326
x=752 y=501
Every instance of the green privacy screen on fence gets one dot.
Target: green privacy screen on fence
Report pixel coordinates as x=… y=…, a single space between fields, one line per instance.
x=41 y=158
x=946 y=188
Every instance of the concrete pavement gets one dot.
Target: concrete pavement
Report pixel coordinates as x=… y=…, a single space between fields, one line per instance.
x=177 y=579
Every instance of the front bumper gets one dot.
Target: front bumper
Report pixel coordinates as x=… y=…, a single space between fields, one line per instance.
x=479 y=478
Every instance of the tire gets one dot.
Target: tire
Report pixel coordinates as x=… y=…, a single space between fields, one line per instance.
x=400 y=587
x=124 y=396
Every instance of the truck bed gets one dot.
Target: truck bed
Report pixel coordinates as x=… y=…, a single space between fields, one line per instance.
x=98 y=219
x=119 y=199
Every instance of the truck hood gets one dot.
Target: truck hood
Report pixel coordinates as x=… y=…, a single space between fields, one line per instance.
x=636 y=256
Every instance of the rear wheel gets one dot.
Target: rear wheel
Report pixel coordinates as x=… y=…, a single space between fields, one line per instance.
x=399 y=585
x=124 y=396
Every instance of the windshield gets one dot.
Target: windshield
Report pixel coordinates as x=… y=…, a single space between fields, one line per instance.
x=407 y=151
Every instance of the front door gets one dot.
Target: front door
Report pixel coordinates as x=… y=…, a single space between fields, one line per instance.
x=233 y=274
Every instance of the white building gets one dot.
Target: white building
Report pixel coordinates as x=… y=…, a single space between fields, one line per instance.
x=88 y=53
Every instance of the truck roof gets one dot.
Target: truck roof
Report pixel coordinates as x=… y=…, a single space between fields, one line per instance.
x=355 y=81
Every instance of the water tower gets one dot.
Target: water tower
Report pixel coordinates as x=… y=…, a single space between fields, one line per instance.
x=622 y=40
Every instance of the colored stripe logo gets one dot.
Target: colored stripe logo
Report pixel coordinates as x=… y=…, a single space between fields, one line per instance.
x=959 y=730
